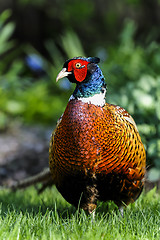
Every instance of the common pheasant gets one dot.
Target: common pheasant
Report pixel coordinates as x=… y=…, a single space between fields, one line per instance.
x=96 y=152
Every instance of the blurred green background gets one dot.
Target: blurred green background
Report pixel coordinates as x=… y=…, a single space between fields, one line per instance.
x=36 y=37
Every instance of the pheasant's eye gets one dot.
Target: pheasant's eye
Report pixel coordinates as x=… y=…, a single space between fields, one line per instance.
x=78 y=65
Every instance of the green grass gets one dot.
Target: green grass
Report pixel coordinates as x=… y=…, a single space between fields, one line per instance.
x=26 y=215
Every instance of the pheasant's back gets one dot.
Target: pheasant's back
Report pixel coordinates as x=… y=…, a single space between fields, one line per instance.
x=98 y=147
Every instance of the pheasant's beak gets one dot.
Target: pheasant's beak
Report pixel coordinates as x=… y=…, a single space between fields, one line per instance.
x=63 y=73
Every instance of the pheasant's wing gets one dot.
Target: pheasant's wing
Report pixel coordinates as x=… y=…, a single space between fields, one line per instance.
x=125 y=115
x=133 y=156
x=132 y=148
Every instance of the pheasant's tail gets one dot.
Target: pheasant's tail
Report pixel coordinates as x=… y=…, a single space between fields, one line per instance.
x=44 y=177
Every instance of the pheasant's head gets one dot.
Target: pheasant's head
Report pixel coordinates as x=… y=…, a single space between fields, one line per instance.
x=86 y=74
x=77 y=69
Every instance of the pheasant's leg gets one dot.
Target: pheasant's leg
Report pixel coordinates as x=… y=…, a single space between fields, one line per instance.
x=120 y=206
x=89 y=197
x=121 y=209
x=92 y=211
x=93 y=214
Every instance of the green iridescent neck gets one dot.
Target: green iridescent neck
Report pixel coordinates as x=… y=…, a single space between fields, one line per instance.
x=93 y=84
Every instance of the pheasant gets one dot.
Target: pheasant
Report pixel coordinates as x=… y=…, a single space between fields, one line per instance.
x=96 y=153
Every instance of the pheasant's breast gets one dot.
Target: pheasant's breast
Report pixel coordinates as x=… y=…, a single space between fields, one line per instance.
x=91 y=139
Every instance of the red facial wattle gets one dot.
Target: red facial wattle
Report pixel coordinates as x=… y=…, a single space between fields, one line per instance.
x=79 y=68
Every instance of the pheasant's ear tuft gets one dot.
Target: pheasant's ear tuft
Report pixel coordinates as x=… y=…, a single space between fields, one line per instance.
x=94 y=59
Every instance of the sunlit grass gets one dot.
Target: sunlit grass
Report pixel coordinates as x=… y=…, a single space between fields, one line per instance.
x=26 y=215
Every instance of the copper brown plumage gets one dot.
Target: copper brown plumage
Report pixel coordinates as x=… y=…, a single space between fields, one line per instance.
x=96 y=152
